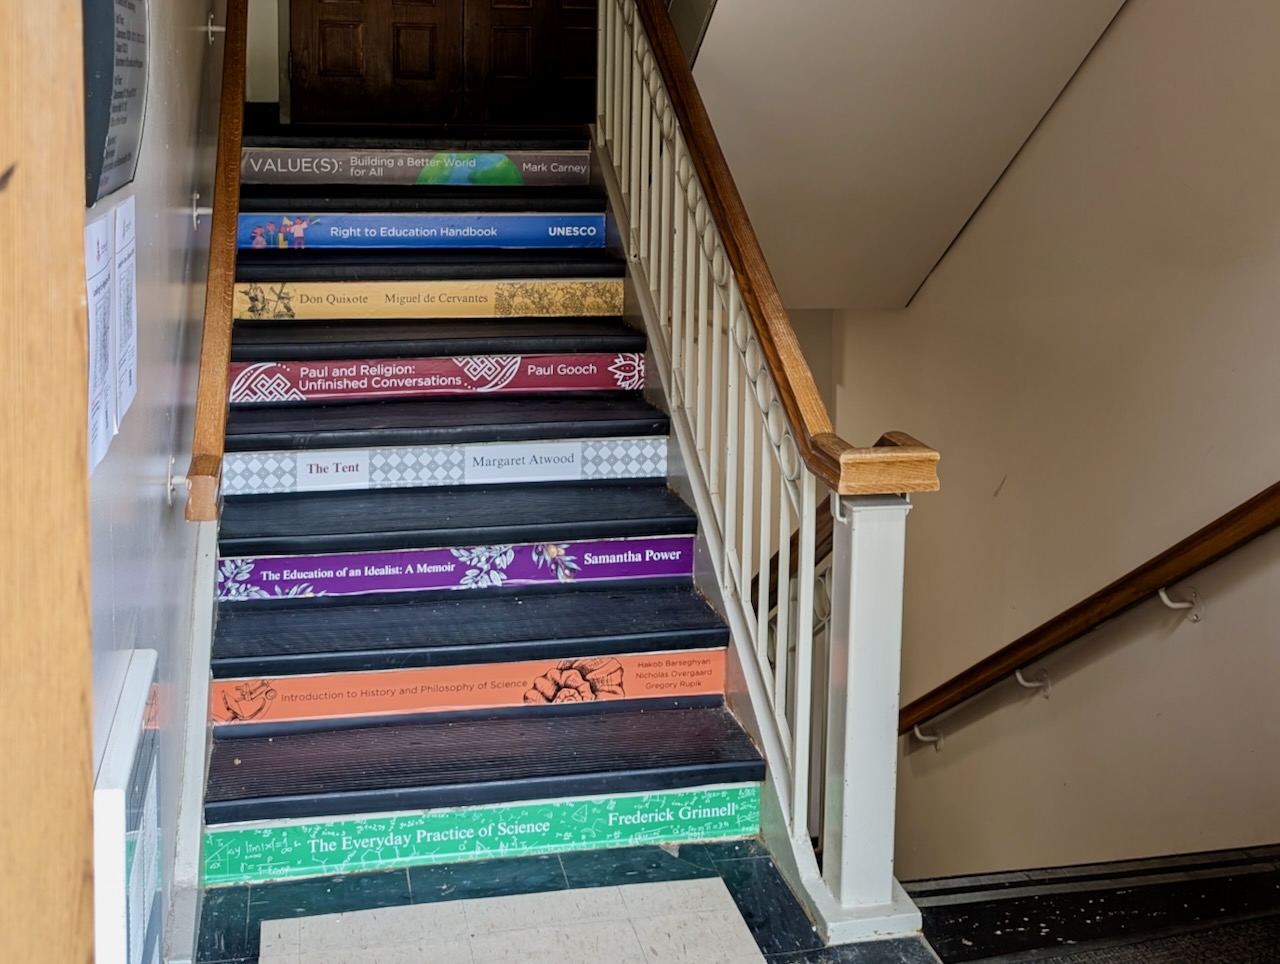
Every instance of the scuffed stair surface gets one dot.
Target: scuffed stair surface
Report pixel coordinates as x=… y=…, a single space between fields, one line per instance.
x=308 y=341
x=509 y=418
x=476 y=515
x=276 y=638
x=374 y=264
x=372 y=199
x=473 y=762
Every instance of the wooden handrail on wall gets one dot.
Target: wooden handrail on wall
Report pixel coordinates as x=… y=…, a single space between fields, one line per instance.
x=1219 y=538
x=209 y=438
x=903 y=465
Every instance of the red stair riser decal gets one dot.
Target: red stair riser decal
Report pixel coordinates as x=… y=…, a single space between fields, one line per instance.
x=533 y=684
x=370 y=378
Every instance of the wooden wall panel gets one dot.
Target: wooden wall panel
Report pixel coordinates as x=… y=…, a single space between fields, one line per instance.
x=45 y=643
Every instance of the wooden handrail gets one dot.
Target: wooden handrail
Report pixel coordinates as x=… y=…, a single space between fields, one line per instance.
x=824 y=524
x=846 y=468
x=209 y=438
x=1219 y=538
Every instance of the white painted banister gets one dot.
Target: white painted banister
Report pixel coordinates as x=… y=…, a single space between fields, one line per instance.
x=759 y=454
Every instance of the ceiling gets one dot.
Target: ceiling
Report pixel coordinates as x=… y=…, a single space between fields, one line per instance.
x=864 y=133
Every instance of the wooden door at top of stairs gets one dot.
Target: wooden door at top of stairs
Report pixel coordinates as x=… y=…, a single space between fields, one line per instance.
x=439 y=62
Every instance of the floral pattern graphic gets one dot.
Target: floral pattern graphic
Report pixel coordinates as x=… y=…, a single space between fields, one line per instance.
x=579 y=681
x=554 y=556
x=487 y=564
x=234 y=577
x=628 y=370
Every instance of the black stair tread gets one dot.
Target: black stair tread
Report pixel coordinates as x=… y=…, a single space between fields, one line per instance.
x=444 y=420
x=429 y=629
x=400 y=264
x=366 y=199
x=307 y=341
x=475 y=761
x=473 y=515
x=262 y=128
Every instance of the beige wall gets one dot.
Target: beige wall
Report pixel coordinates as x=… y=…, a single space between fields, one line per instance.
x=262 y=51
x=143 y=551
x=863 y=134
x=1096 y=360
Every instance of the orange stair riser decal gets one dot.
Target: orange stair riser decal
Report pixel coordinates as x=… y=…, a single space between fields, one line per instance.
x=530 y=684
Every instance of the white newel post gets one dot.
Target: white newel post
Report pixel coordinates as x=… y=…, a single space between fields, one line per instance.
x=862 y=712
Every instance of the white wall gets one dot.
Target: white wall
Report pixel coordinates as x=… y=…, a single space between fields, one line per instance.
x=863 y=133
x=1096 y=361
x=143 y=551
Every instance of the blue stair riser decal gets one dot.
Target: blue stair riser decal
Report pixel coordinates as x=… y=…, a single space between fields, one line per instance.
x=284 y=849
x=298 y=230
x=305 y=165
x=552 y=460
x=376 y=378
x=476 y=567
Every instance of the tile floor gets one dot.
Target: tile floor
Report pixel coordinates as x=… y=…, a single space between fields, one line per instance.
x=231 y=923
x=675 y=922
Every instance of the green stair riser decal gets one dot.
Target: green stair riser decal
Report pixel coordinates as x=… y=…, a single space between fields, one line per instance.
x=355 y=165
x=262 y=851
x=345 y=300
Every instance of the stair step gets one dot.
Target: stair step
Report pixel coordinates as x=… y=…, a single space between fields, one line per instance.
x=257 y=705
x=471 y=762
x=444 y=421
x=544 y=563
x=366 y=231
x=274 y=266
x=302 y=341
x=262 y=128
x=269 y=849
x=477 y=515
x=483 y=164
x=260 y=199
x=370 y=379
x=275 y=637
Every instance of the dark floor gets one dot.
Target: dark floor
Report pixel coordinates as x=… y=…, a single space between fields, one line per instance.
x=230 y=922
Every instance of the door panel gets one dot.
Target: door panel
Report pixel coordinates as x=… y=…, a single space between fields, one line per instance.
x=531 y=61
x=376 y=61
x=435 y=62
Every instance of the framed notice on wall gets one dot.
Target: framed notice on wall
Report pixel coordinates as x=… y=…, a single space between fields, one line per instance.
x=115 y=92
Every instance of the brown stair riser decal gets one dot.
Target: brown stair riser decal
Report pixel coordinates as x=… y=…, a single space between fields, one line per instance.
x=306 y=165
x=375 y=378
x=532 y=684
x=345 y=300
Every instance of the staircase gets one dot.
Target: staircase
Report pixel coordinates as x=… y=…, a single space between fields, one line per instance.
x=456 y=612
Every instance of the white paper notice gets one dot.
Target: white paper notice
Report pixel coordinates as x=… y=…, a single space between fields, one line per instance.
x=97 y=269
x=523 y=462
x=126 y=285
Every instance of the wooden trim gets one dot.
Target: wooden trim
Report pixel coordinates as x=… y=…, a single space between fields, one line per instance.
x=209 y=438
x=844 y=468
x=46 y=660
x=1219 y=538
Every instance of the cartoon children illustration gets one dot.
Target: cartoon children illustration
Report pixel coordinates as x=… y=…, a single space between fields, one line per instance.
x=258 y=240
x=271 y=234
x=299 y=231
x=282 y=241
